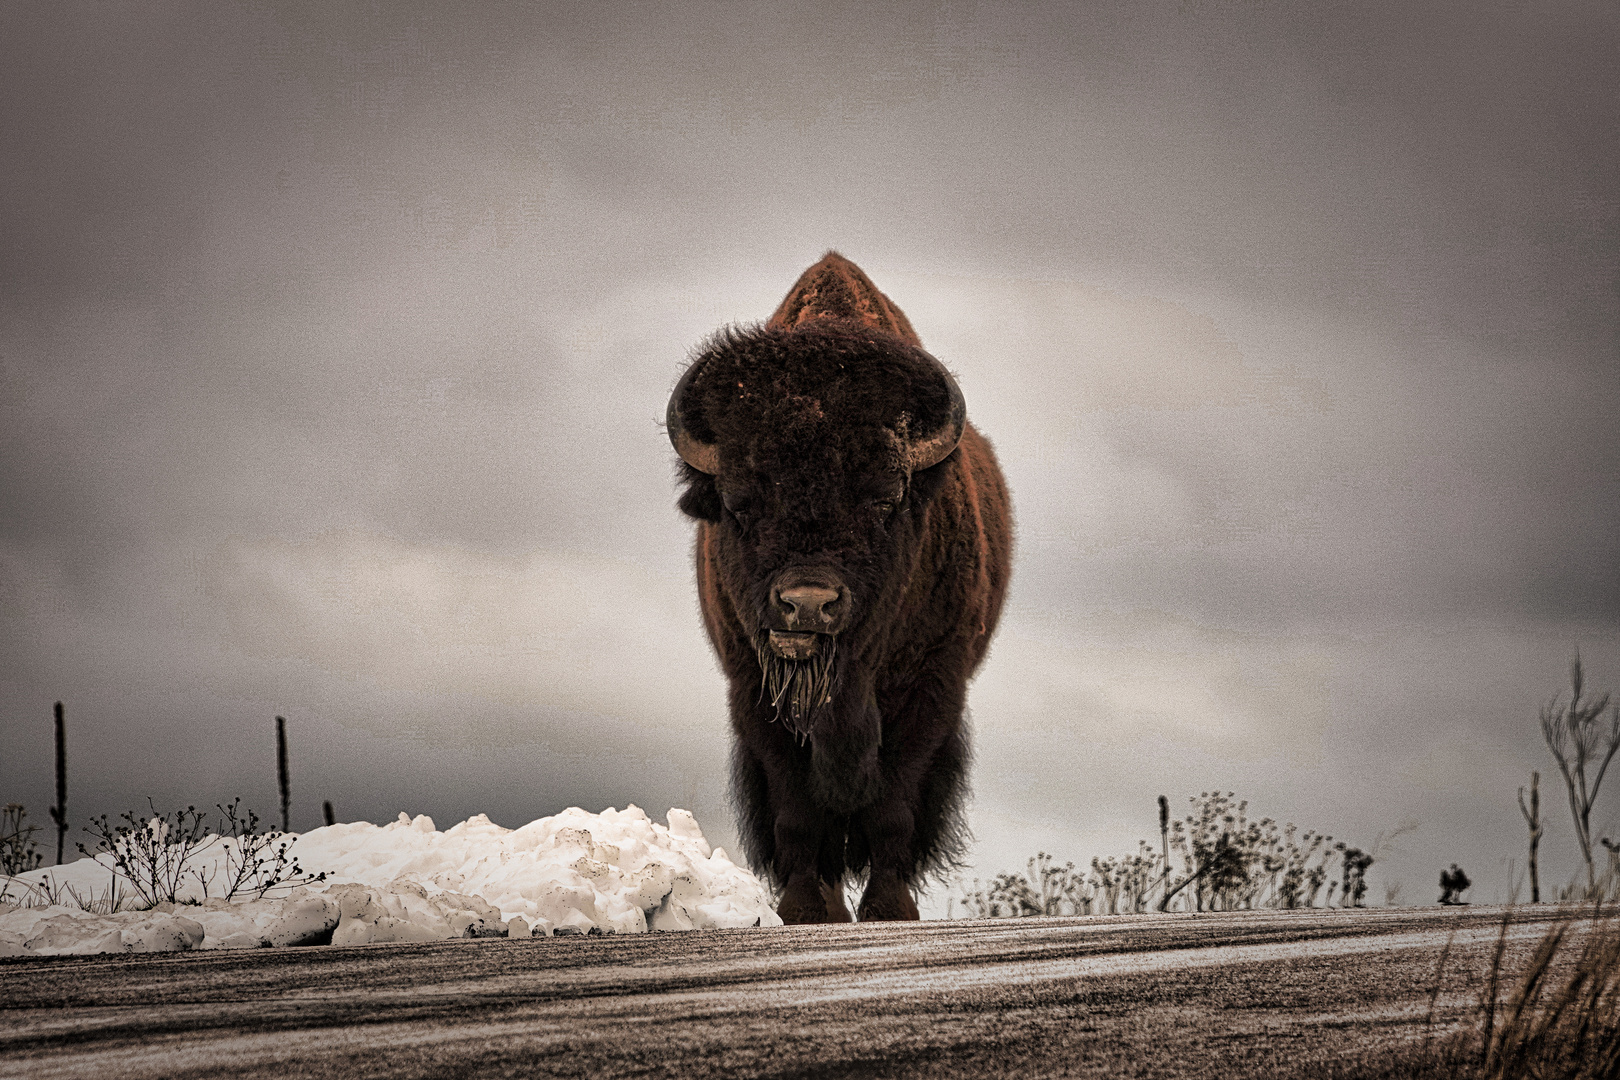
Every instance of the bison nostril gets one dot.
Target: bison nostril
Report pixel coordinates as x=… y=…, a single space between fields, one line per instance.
x=807 y=604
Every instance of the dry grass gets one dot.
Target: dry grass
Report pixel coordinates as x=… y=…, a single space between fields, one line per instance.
x=1560 y=1021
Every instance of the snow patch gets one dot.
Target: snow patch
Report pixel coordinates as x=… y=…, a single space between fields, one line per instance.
x=574 y=873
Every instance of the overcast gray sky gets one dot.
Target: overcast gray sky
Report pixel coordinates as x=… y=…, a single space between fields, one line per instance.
x=334 y=337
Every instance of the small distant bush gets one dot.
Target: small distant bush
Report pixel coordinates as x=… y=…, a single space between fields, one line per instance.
x=1048 y=890
x=1125 y=882
x=1228 y=862
x=1453 y=883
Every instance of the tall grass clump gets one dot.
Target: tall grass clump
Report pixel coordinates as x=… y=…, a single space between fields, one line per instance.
x=1559 y=1020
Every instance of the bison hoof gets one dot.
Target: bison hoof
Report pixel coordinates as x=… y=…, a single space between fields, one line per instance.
x=888 y=900
x=810 y=900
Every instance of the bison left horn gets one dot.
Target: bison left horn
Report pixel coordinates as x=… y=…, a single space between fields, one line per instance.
x=926 y=451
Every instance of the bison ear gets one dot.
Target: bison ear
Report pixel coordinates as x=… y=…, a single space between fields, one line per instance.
x=837 y=289
x=701 y=499
x=702 y=456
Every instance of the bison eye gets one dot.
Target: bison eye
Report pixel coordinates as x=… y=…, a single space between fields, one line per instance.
x=885 y=507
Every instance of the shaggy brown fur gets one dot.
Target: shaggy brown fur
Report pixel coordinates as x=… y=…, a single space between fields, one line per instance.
x=849 y=583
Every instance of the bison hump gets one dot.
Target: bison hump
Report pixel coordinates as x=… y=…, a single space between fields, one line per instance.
x=836 y=290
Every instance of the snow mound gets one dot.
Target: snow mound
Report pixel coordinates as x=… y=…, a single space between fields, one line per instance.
x=59 y=930
x=574 y=873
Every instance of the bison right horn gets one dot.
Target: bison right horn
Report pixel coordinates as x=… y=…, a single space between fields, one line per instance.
x=702 y=456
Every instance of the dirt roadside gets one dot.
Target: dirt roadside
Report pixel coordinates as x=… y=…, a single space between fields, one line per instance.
x=1233 y=994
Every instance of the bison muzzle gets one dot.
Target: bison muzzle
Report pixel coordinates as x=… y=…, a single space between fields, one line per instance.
x=854 y=534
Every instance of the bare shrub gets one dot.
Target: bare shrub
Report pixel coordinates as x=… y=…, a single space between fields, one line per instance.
x=159 y=855
x=255 y=862
x=1296 y=888
x=1355 y=862
x=18 y=851
x=1316 y=875
x=1125 y=882
x=152 y=855
x=1230 y=863
x=1577 y=739
x=1230 y=860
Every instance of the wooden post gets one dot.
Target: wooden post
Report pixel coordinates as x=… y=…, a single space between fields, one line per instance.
x=59 y=811
x=281 y=769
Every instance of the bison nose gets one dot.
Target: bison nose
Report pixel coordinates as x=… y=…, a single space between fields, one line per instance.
x=807 y=606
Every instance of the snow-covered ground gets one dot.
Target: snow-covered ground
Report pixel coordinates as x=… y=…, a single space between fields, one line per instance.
x=616 y=872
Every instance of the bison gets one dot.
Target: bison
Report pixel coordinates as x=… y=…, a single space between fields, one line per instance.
x=853 y=540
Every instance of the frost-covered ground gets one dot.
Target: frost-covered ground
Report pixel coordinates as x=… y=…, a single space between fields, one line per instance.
x=616 y=872
x=1253 y=994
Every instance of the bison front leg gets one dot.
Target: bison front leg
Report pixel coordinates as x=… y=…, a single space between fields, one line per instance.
x=810 y=864
x=785 y=832
x=915 y=825
x=888 y=899
x=809 y=899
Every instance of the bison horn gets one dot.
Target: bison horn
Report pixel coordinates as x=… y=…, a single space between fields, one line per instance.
x=926 y=451
x=702 y=456
x=922 y=452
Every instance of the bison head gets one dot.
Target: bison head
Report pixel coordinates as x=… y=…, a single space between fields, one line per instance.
x=812 y=445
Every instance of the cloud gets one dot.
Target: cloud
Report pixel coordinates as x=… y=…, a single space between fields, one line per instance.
x=580 y=633
x=333 y=343
x=1129 y=684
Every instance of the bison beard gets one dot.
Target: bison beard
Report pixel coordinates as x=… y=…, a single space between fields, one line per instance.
x=797 y=688
x=853 y=541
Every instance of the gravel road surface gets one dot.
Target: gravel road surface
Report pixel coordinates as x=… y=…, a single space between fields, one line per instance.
x=1239 y=994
